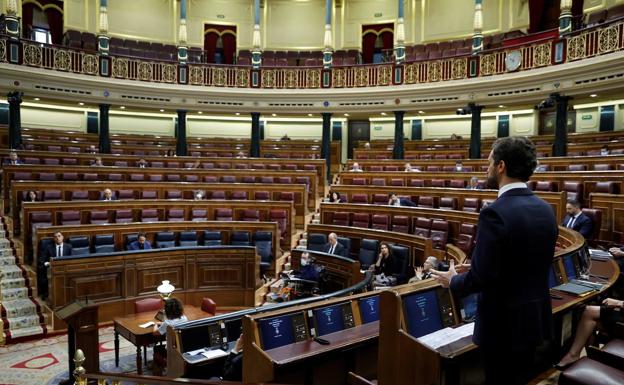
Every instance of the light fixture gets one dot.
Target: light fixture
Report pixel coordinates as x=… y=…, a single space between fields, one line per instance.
x=122 y=108
x=161 y=110
x=273 y=114
x=81 y=104
x=164 y=289
x=238 y=114
x=346 y=114
x=200 y=112
x=501 y=106
x=36 y=99
x=383 y=114
x=309 y=114
x=421 y=112
x=593 y=95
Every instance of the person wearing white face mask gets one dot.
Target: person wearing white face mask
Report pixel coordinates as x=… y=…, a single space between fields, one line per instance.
x=308 y=269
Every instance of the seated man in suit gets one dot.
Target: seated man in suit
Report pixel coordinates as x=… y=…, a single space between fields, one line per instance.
x=356 y=167
x=396 y=201
x=97 y=162
x=333 y=246
x=107 y=195
x=576 y=220
x=142 y=163
x=13 y=159
x=141 y=243
x=308 y=270
x=58 y=249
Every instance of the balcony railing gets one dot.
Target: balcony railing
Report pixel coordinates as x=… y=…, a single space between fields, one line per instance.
x=600 y=40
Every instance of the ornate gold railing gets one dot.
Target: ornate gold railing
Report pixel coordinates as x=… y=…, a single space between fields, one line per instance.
x=580 y=45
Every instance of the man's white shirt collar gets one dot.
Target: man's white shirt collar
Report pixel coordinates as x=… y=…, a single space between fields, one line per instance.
x=511 y=186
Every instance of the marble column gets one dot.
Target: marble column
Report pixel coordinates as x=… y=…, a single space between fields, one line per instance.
x=325 y=144
x=15 y=119
x=181 y=148
x=475 y=131
x=399 y=146
x=477 y=36
x=254 y=150
x=256 y=51
x=105 y=146
x=103 y=38
x=399 y=47
x=565 y=17
x=329 y=46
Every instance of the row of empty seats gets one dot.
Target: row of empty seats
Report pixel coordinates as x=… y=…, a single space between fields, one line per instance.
x=425 y=201
x=74 y=217
x=83 y=195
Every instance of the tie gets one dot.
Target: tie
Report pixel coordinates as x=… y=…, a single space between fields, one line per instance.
x=571 y=222
x=141 y=246
x=331 y=249
x=59 y=251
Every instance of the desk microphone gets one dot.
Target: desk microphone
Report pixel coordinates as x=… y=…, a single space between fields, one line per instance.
x=321 y=341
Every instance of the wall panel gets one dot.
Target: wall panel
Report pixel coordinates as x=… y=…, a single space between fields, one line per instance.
x=141 y=124
x=294 y=25
x=52 y=117
x=218 y=128
x=225 y=12
x=152 y=20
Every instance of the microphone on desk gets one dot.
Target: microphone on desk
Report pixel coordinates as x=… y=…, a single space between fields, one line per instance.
x=321 y=341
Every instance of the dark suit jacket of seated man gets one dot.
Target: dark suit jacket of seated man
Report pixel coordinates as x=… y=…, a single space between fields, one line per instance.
x=48 y=254
x=136 y=245
x=583 y=224
x=338 y=249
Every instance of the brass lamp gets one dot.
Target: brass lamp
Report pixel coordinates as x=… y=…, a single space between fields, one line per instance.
x=164 y=289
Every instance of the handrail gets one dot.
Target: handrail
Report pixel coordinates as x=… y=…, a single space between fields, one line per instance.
x=539 y=53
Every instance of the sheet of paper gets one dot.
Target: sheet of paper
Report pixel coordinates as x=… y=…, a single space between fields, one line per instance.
x=446 y=336
x=147 y=325
x=196 y=352
x=214 y=353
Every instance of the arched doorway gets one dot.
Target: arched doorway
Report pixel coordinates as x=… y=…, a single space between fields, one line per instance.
x=42 y=20
x=377 y=42
x=220 y=43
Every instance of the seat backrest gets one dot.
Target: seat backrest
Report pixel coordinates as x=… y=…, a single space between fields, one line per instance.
x=379 y=222
x=397 y=182
x=239 y=195
x=457 y=183
x=574 y=190
x=209 y=306
x=596 y=216
x=188 y=238
x=448 y=203
x=417 y=183
x=70 y=217
x=199 y=215
x=380 y=199
x=240 y=238
x=438 y=183
x=422 y=227
x=439 y=233
x=359 y=198
x=79 y=195
x=577 y=167
x=251 y=215
x=165 y=239
x=223 y=214
x=125 y=194
x=173 y=194
x=262 y=195
x=228 y=179
x=426 y=201
x=340 y=219
x=346 y=242
x=361 y=220
x=263 y=240
x=358 y=181
x=606 y=187
x=104 y=243
x=603 y=167
x=400 y=224
x=279 y=216
x=287 y=196
x=471 y=205
x=212 y=237
x=147 y=304
x=149 y=215
x=52 y=195
x=316 y=241
x=175 y=215
x=543 y=185
x=401 y=257
x=368 y=252
x=378 y=181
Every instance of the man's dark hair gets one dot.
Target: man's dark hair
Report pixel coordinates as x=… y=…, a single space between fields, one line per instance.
x=173 y=308
x=574 y=203
x=519 y=156
x=141 y=234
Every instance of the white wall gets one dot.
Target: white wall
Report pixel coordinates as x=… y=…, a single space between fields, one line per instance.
x=217 y=128
x=148 y=124
x=53 y=117
x=296 y=129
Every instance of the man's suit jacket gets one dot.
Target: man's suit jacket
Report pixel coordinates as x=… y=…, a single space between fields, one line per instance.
x=50 y=251
x=510 y=264
x=583 y=224
x=407 y=202
x=135 y=245
x=339 y=250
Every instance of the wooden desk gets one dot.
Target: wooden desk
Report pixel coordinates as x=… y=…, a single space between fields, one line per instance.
x=128 y=327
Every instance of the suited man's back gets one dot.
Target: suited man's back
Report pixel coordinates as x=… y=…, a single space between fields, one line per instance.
x=513 y=255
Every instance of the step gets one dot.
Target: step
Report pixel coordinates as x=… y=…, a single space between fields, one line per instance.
x=12 y=283
x=13 y=294
x=10 y=271
x=6 y=252
x=20 y=308
x=23 y=322
x=25 y=332
x=7 y=260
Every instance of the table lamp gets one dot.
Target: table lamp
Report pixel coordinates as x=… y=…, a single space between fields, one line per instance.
x=164 y=289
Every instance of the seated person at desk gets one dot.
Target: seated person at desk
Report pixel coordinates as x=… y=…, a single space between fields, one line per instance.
x=356 y=167
x=31 y=196
x=396 y=201
x=333 y=246
x=334 y=197
x=424 y=272
x=409 y=168
x=474 y=184
x=56 y=250
x=142 y=163
x=576 y=220
x=97 y=162
x=233 y=367
x=605 y=316
x=384 y=268
x=174 y=314
x=107 y=195
x=92 y=150
x=308 y=270
x=13 y=159
x=140 y=244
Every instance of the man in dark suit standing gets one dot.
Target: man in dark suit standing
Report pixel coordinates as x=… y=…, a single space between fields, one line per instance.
x=576 y=220
x=55 y=250
x=510 y=264
x=333 y=246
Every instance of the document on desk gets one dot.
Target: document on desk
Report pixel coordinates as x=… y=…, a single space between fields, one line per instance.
x=214 y=353
x=446 y=336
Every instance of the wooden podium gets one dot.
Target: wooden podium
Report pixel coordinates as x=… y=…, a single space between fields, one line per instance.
x=82 y=333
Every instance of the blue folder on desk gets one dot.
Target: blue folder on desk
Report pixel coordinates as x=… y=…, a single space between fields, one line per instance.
x=575 y=289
